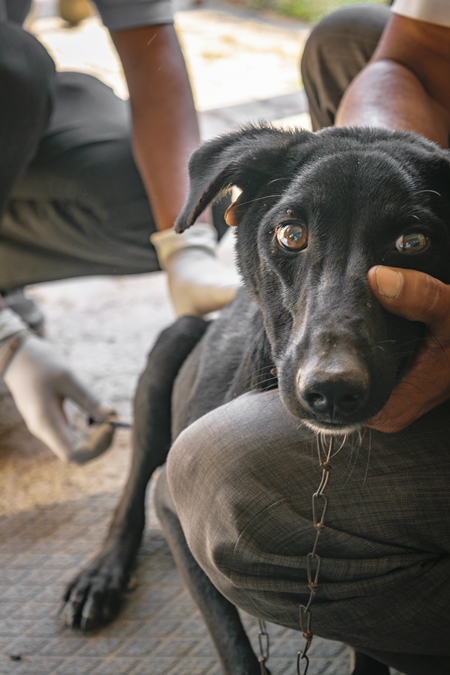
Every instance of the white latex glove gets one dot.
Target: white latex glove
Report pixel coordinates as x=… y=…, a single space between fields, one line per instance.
x=199 y=282
x=39 y=382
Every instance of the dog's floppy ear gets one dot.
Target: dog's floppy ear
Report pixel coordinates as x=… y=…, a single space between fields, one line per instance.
x=246 y=158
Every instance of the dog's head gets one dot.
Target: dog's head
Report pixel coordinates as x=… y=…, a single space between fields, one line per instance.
x=316 y=211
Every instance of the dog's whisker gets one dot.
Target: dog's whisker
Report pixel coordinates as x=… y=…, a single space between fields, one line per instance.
x=343 y=442
x=352 y=463
x=435 y=192
x=277 y=180
x=255 y=383
x=258 y=199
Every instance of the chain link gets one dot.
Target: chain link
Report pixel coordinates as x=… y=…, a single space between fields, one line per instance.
x=313 y=561
x=264 y=647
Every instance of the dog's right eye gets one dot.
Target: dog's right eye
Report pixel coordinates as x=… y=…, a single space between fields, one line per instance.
x=292 y=236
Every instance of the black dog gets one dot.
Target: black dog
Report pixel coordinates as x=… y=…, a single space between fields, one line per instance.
x=315 y=213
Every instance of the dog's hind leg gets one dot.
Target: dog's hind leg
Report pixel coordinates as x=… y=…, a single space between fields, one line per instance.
x=93 y=597
x=221 y=616
x=366 y=665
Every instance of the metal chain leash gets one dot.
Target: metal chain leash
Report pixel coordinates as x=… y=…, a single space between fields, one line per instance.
x=264 y=647
x=319 y=510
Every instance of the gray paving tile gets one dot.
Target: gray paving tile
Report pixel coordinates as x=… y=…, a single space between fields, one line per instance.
x=12 y=576
x=174 y=646
x=117 y=666
x=76 y=666
x=139 y=647
x=38 y=666
x=13 y=627
x=64 y=645
x=204 y=648
x=7 y=666
x=197 y=666
x=215 y=670
x=160 y=666
x=31 y=610
x=25 y=646
x=6 y=609
x=99 y=646
x=160 y=630
x=42 y=627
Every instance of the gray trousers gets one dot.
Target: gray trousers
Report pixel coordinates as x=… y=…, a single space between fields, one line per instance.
x=242 y=480
x=337 y=49
x=72 y=202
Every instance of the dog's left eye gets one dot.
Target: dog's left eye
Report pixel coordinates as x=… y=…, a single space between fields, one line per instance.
x=292 y=236
x=414 y=242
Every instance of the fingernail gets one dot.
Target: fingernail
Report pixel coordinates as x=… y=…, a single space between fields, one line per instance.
x=389 y=282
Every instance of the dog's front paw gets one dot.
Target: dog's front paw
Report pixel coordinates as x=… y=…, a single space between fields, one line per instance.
x=94 y=597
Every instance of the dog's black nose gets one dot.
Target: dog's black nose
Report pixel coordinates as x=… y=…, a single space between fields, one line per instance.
x=334 y=395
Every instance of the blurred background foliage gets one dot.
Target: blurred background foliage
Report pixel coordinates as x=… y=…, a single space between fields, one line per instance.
x=304 y=10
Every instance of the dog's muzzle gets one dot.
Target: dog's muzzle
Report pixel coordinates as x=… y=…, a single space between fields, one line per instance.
x=334 y=394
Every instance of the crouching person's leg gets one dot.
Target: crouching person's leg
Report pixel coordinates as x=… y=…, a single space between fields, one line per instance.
x=27 y=75
x=242 y=479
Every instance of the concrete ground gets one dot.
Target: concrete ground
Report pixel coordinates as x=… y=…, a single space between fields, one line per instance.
x=53 y=516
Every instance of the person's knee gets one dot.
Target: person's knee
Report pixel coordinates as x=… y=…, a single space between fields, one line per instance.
x=205 y=457
x=209 y=459
x=192 y=457
x=204 y=468
x=27 y=74
x=337 y=31
x=337 y=49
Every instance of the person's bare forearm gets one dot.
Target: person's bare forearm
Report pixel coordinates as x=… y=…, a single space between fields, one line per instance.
x=389 y=95
x=165 y=127
x=403 y=87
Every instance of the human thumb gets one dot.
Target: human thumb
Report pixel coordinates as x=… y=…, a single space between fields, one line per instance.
x=415 y=296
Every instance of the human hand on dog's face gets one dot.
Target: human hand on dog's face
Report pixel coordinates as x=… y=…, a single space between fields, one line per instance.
x=417 y=297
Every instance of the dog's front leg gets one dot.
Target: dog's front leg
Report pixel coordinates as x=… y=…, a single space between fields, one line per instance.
x=93 y=598
x=221 y=616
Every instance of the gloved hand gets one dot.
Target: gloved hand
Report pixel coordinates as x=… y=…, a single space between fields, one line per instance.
x=39 y=382
x=199 y=282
